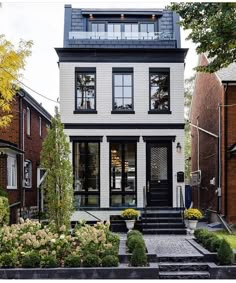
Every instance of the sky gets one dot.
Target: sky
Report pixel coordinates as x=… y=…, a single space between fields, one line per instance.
x=42 y=21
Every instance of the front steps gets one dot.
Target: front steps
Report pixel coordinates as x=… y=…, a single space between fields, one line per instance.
x=183 y=267
x=163 y=221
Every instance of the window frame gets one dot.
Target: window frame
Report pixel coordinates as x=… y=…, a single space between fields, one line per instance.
x=11 y=157
x=123 y=193
x=86 y=192
x=28 y=121
x=30 y=173
x=86 y=71
x=122 y=71
x=160 y=71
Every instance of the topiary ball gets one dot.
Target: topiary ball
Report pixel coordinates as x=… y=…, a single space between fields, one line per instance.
x=132 y=241
x=110 y=260
x=31 y=260
x=72 y=261
x=139 y=257
x=225 y=254
x=91 y=261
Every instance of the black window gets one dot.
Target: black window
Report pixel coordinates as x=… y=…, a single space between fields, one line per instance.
x=87 y=173
x=123 y=90
x=122 y=174
x=160 y=91
x=85 y=90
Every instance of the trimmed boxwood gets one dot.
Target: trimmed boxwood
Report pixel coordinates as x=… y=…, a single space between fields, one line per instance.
x=133 y=240
x=139 y=257
x=91 y=261
x=8 y=260
x=110 y=261
x=49 y=261
x=225 y=254
x=31 y=260
x=134 y=233
x=215 y=244
x=72 y=261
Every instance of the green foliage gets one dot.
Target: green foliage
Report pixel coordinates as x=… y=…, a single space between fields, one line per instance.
x=3 y=193
x=208 y=242
x=4 y=211
x=58 y=184
x=212 y=27
x=134 y=232
x=72 y=261
x=139 y=257
x=215 y=244
x=9 y=259
x=200 y=234
x=110 y=260
x=48 y=261
x=133 y=241
x=31 y=260
x=225 y=254
x=91 y=261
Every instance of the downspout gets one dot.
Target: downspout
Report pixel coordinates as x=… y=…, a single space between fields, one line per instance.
x=219 y=161
x=198 y=162
x=21 y=123
x=226 y=142
x=23 y=157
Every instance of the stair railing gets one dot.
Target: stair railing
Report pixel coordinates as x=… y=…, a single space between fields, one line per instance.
x=89 y=213
x=181 y=202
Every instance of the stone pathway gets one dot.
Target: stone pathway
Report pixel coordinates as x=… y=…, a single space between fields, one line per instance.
x=169 y=245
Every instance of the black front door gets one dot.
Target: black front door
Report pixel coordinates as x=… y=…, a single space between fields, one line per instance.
x=159 y=174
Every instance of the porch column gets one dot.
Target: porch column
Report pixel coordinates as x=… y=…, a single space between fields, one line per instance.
x=141 y=171
x=104 y=174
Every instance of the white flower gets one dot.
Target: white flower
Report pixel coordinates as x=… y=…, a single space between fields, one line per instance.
x=62 y=237
x=53 y=240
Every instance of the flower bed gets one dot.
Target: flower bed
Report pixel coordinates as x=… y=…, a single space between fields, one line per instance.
x=30 y=245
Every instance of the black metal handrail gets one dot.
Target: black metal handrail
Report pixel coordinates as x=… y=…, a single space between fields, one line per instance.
x=89 y=213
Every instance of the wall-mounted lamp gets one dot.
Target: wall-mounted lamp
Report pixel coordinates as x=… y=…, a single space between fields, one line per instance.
x=178 y=147
x=91 y=16
x=122 y=16
x=153 y=17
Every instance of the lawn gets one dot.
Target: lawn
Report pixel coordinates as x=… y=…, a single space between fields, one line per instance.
x=230 y=238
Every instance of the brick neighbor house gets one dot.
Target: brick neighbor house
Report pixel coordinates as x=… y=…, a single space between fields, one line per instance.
x=213 y=111
x=122 y=106
x=20 y=146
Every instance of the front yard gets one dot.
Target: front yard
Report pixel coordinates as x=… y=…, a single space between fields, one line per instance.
x=231 y=239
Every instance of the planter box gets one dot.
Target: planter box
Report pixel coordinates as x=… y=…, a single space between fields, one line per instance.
x=222 y=272
x=208 y=256
x=121 y=272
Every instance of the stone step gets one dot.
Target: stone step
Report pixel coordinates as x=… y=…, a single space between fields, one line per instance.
x=183 y=266
x=184 y=275
x=162 y=219
x=160 y=214
x=164 y=231
x=162 y=225
x=180 y=258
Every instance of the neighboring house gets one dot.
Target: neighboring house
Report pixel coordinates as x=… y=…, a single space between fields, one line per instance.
x=122 y=106
x=20 y=146
x=214 y=104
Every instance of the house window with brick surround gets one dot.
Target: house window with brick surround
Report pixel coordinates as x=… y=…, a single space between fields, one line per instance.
x=159 y=81
x=122 y=174
x=11 y=172
x=87 y=173
x=85 y=99
x=123 y=91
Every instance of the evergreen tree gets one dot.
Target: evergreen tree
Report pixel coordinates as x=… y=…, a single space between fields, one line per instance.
x=58 y=183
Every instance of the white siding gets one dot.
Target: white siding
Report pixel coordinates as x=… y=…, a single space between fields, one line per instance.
x=104 y=94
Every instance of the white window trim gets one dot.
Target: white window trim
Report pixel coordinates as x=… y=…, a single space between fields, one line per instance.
x=11 y=157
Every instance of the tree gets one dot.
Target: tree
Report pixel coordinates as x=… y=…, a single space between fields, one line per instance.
x=58 y=183
x=12 y=61
x=188 y=92
x=213 y=29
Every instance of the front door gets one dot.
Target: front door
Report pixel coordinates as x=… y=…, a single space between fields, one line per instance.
x=159 y=174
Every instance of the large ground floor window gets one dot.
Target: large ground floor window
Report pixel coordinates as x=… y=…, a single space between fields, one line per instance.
x=87 y=173
x=123 y=174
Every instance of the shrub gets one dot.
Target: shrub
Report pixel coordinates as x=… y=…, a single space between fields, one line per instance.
x=48 y=261
x=225 y=254
x=110 y=260
x=202 y=234
x=8 y=259
x=4 y=210
x=198 y=232
x=31 y=260
x=134 y=232
x=139 y=257
x=91 y=261
x=215 y=244
x=72 y=261
x=208 y=241
x=132 y=242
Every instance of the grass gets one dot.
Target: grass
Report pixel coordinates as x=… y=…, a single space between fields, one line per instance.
x=230 y=238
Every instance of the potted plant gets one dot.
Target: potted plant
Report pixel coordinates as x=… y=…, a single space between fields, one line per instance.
x=192 y=215
x=130 y=215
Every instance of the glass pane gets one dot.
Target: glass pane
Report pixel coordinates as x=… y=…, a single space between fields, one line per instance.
x=159 y=91
x=93 y=200
x=128 y=92
x=127 y=80
x=134 y=27
x=118 y=103
x=117 y=28
x=143 y=27
x=130 y=166
x=158 y=163
x=127 y=104
x=89 y=103
x=128 y=28
x=116 y=163
x=94 y=27
x=101 y=27
x=130 y=200
x=150 y=27
x=118 y=92
x=79 y=160
x=110 y=28
x=118 y=80
x=116 y=200
x=93 y=167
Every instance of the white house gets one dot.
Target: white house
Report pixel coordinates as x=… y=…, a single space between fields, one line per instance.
x=122 y=106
